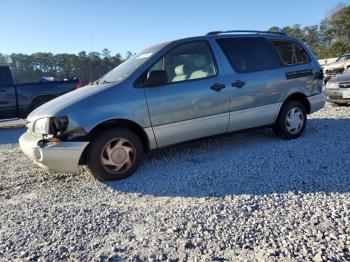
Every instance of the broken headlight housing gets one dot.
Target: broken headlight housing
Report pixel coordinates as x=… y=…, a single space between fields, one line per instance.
x=51 y=125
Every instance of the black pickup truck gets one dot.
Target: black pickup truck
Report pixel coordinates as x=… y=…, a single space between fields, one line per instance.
x=18 y=100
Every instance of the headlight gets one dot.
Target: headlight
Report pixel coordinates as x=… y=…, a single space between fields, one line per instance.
x=331 y=85
x=42 y=126
x=51 y=125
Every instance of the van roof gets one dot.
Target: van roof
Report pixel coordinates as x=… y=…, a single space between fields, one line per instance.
x=238 y=33
x=244 y=32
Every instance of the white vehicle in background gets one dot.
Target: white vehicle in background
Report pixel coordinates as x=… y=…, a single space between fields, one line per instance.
x=338 y=89
x=337 y=67
x=327 y=61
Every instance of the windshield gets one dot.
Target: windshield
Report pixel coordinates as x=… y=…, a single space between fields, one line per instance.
x=343 y=58
x=128 y=67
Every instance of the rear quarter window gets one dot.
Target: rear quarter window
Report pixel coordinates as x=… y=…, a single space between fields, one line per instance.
x=249 y=54
x=291 y=53
x=5 y=77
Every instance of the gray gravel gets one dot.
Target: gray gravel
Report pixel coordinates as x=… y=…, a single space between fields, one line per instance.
x=238 y=197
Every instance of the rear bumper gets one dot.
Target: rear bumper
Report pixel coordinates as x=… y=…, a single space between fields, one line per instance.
x=59 y=157
x=316 y=102
x=336 y=95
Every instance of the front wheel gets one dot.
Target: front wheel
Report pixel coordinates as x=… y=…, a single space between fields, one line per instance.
x=114 y=154
x=291 y=121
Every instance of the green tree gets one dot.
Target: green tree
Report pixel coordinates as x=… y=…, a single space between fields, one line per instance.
x=295 y=31
x=336 y=29
x=275 y=29
x=3 y=59
x=331 y=38
x=86 y=67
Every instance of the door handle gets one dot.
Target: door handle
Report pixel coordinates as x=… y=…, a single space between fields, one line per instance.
x=217 y=87
x=238 y=84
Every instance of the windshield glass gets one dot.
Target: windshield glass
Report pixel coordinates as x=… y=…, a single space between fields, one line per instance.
x=128 y=67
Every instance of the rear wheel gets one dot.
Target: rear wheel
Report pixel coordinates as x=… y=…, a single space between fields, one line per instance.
x=114 y=154
x=291 y=121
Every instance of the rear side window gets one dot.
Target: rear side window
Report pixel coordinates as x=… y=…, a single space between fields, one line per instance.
x=291 y=53
x=5 y=76
x=249 y=54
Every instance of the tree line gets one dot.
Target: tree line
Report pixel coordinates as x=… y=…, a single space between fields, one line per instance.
x=87 y=67
x=329 y=38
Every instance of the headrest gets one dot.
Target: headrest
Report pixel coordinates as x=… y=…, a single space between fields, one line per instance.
x=180 y=70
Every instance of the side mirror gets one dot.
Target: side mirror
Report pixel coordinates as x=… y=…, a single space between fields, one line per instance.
x=156 y=78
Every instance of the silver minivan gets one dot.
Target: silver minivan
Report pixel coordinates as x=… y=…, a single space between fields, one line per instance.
x=175 y=92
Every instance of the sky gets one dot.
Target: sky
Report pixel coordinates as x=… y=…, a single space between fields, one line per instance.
x=71 y=26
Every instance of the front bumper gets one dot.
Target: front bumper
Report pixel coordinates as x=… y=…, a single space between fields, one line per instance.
x=59 y=157
x=316 y=102
x=338 y=95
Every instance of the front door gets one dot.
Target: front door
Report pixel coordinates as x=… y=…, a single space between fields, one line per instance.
x=194 y=102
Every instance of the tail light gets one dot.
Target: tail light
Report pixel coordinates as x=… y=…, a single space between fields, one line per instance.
x=77 y=85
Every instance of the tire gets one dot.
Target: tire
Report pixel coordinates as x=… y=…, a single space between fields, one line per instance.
x=114 y=154
x=291 y=121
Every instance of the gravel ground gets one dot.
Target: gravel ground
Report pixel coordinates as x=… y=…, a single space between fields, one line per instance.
x=238 y=197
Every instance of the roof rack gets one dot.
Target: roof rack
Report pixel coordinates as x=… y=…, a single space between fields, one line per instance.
x=244 y=31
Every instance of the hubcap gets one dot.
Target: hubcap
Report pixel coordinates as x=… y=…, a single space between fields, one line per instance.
x=294 y=120
x=118 y=155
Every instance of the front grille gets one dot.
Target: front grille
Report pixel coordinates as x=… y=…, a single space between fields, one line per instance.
x=344 y=85
x=336 y=97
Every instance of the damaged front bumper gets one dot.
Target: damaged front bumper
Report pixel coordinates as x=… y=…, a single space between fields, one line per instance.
x=52 y=155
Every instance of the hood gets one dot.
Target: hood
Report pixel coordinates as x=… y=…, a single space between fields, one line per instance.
x=345 y=77
x=58 y=104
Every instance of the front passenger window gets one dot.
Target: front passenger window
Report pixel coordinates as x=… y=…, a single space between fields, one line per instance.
x=186 y=62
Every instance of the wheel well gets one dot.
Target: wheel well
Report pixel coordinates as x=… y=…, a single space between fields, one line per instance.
x=300 y=98
x=137 y=129
x=116 y=123
x=38 y=98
